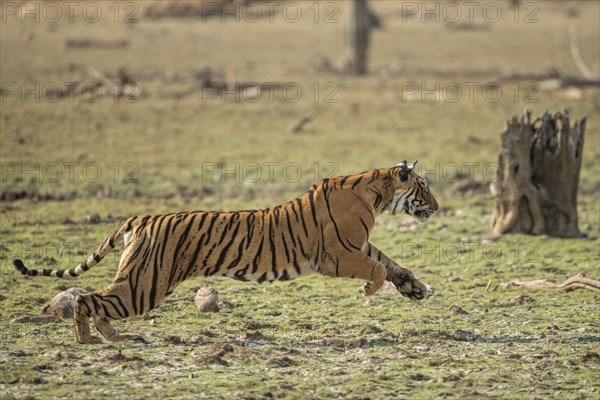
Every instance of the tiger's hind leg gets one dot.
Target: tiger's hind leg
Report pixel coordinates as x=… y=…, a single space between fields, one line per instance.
x=103 y=307
x=82 y=314
x=111 y=334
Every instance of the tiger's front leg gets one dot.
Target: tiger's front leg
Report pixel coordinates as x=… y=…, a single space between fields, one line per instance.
x=356 y=265
x=401 y=277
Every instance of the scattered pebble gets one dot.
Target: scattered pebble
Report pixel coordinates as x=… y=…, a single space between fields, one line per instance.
x=93 y=218
x=522 y=298
x=591 y=356
x=279 y=362
x=417 y=377
x=207 y=300
x=456 y=310
x=389 y=288
x=465 y=336
x=64 y=355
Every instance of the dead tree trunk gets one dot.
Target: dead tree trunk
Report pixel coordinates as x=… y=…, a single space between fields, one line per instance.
x=535 y=191
x=360 y=21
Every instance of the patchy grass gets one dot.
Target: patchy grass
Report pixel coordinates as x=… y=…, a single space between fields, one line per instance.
x=314 y=337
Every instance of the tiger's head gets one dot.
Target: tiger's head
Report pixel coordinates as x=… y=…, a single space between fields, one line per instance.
x=412 y=195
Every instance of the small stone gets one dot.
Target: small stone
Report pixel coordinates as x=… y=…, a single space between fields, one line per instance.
x=93 y=218
x=280 y=362
x=456 y=310
x=418 y=377
x=389 y=288
x=63 y=304
x=465 y=336
x=207 y=300
x=522 y=298
x=64 y=355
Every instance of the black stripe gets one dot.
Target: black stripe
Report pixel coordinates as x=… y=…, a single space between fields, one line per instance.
x=312 y=206
x=95 y=303
x=210 y=227
x=294 y=209
x=250 y=228
x=343 y=181
x=223 y=253
x=159 y=260
x=262 y=278
x=302 y=251
x=284 y=276
x=273 y=249
x=287 y=253
x=180 y=242
x=295 y=262
x=356 y=182
x=302 y=216
x=257 y=256
x=241 y=274
x=365 y=226
x=275 y=214
x=239 y=256
x=287 y=215
x=192 y=261
x=89 y=310
x=337 y=231
x=378 y=198
x=107 y=300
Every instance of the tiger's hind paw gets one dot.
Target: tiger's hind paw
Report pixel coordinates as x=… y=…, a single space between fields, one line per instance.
x=90 y=340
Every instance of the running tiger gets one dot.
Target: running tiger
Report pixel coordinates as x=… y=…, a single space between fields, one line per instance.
x=326 y=231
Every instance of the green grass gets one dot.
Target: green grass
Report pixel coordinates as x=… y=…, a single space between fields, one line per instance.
x=314 y=337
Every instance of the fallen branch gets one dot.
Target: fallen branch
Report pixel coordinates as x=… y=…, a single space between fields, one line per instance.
x=564 y=79
x=579 y=281
x=97 y=44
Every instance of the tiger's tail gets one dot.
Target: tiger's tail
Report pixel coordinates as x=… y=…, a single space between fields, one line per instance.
x=105 y=247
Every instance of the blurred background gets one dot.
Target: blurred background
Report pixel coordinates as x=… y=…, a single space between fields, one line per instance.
x=163 y=91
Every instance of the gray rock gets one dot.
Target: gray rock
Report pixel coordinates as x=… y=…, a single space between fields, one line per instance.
x=207 y=300
x=63 y=304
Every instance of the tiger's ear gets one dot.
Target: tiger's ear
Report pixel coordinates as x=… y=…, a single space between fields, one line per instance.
x=404 y=170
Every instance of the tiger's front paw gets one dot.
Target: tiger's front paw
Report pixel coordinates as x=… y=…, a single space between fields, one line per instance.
x=415 y=290
x=408 y=285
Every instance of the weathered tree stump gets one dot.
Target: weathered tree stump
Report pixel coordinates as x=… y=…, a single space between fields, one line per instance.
x=535 y=191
